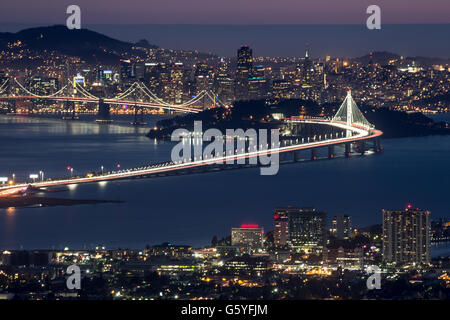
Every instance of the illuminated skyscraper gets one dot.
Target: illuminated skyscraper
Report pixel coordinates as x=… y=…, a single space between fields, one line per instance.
x=281 y=232
x=243 y=70
x=175 y=85
x=248 y=235
x=126 y=72
x=224 y=84
x=341 y=226
x=302 y=229
x=306 y=91
x=281 y=89
x=151 y=76
x=406 y=236
x=203 y=77
x=257 y=83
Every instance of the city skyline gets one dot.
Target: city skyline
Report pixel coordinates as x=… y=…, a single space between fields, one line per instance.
x=248 y=151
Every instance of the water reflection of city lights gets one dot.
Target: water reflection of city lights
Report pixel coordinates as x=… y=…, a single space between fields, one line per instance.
x=72 y=186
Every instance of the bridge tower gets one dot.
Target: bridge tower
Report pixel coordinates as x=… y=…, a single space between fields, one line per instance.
x=69 y=106
x=138 y=110
x=11 y=91
x=103 y=114
x=138 y=115
x=350 y=114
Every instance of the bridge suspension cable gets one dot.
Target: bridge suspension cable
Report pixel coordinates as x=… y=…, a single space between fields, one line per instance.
x=36 y=95
x=84 y=92
x=215 y=97
x=127 y=92
x=350 y=114
x=151 y=95
x=3 y=86
x=135 y=87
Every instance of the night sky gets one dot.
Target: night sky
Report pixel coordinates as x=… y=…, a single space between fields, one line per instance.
x=225 y=12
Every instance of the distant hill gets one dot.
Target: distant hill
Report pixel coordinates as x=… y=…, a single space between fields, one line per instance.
x=378 y=57
x=382 y=57
x=86 y=44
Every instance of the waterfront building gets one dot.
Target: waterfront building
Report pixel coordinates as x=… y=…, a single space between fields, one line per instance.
x=301 y=229
x=341 y=226
x=406 y=236
x=248 y=235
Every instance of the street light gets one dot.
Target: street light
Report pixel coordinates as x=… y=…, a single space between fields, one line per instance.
x=41 y=173
x=102 y=169
x=71 y=172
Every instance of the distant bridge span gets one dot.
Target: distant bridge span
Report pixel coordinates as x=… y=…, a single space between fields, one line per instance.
x=137 y=95
x=143 y=104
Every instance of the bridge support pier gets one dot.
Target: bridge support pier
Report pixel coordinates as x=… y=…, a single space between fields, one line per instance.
x=362 y=147
x=313 y=154
x=330 y=152
x=297 y=155
x=347 y=149
x=103 y=114
x=12 y=106
x=376 y=145
x=138 y=115
x=69 y=106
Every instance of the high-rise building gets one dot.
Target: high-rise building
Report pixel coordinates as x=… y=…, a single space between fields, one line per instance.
x=406 y=236
x=126 y=72
x=341 y=226
x=257 y=85
x=243 y=70
x=281 y=229
x=281 y=89
x=224 y=87
x=203 y=77
x=302 y=229
x=248 y=235
x=304 y=79
x=173 y=88
x=307 y=67
x=151 y=76
x=223 y=83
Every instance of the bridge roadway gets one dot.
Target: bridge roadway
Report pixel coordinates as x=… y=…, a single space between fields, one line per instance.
x=107 y=101
x=360 y=134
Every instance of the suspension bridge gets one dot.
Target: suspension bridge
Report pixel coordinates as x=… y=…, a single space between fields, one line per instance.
x=137 y=95
x=351 y=128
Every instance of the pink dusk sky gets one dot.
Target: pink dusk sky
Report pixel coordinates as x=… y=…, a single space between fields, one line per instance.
x=226 y=11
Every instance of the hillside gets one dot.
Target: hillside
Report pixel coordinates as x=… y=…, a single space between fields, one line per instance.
x=86 y=44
